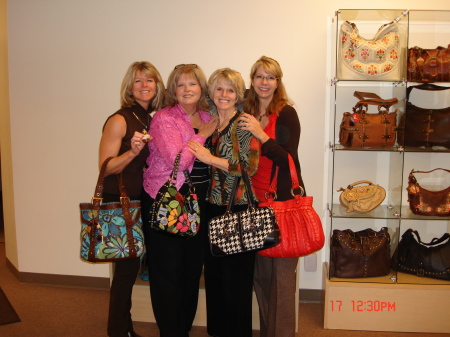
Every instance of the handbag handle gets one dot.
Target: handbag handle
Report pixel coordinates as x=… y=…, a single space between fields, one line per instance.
x=374 y=99
x=433 y=242
x=357 y=183
x=98 y=193
x=424 y=86
x=124 y=202
x=174 y=174
x=248 y=188
x=413 y=178
x=271 y=194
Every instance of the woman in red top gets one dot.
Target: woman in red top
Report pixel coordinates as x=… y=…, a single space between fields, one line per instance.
x=271 y=119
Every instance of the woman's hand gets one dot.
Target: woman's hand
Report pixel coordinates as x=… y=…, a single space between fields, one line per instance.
x=249 y=123
x=207 y=129
x=138 y=143
x=200 y=152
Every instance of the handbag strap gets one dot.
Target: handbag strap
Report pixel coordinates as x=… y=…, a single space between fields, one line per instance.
x=369 y=98
x=433 y=242
x=424 y=86
x=271 y=194
x=98 y=193
x=248 y=189
x=173 y=176
x=124 y=202
x=413 y=179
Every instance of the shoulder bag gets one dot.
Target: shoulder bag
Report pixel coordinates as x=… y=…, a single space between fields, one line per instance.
x=360 y=254
x=424 y=259
x=426 y=127
x=301 y=231
x=238 y=232
x=111 y=231
x=364 y=59
x=363 y=129
x=431 y=65
x=361 y=199
x=426 y=202
x=173 y=212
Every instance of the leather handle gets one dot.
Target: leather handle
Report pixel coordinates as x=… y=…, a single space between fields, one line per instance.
x=373 y=99
x=425 y=86
x=294 y=179
x=360 y=182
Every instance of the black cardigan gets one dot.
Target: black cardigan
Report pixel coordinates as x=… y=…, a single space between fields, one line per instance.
x=287 y=133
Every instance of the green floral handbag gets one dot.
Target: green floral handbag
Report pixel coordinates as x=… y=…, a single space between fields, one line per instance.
x=174 y=212
x=111 y=231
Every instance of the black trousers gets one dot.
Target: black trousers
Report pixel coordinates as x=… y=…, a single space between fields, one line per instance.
x=125 y=274
x=175 y=267
x=229 y=286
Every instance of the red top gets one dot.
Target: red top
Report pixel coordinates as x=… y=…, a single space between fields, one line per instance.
x=261 y=179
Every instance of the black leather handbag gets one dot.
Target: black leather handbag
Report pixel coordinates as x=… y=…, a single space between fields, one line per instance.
x=424 y=259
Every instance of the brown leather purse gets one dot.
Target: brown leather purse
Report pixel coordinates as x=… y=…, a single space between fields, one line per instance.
x=429 y=64
x=426 y=202
x=363 y=129
x=425 y=127
x=366 y=253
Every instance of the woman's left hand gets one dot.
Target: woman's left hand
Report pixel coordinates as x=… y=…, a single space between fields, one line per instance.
x=249 y=123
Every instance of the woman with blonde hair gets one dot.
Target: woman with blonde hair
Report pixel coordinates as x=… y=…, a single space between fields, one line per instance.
x=124 y=136
x=175 y=263
x=271 y=118
x=228 y=279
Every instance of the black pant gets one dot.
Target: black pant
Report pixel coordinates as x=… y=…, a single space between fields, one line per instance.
x=125 y=274
x=175 y=267
x=229 y=286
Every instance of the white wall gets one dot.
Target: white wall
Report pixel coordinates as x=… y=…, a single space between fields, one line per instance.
x=67 y=59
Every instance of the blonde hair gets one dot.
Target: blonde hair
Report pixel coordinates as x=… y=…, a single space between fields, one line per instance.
x=279 y=100
x=190 y=70
x=232 y=77
x=149 y=70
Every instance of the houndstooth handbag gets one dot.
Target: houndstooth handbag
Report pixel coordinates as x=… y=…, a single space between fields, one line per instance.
x=250 y=230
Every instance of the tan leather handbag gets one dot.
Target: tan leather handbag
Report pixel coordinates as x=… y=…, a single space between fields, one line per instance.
x=361 y=199
x=363 y=129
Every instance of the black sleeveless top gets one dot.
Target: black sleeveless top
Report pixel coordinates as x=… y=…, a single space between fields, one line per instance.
x=132 y=175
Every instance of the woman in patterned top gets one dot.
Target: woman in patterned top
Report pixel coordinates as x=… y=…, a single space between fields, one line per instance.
x=228 y=280
x=271 y=118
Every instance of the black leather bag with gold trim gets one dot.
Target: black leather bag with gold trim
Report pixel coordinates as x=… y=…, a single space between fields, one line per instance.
x=360 y=254
x=364 y=129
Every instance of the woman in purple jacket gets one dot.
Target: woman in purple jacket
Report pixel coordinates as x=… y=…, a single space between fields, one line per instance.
x=175 y=263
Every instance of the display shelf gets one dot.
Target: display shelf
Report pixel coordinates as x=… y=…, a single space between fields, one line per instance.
x=388 y=167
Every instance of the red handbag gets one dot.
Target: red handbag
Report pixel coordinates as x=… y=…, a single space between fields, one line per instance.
x=300 y=227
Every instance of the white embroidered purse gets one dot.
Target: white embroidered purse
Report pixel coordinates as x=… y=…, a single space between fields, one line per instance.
x=362 y=59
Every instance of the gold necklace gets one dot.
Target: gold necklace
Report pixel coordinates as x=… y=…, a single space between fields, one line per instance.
x=146 y=137
x=227 y=120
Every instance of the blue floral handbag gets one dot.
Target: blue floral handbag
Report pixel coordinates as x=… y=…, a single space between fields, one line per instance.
x=174 y=212
x=111 y=231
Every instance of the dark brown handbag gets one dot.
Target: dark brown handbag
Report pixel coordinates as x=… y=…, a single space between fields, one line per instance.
x=426 y=127
x=360 y=254
x=363 y=129
x=424 y=259
x=429 y=64
x=426 y=202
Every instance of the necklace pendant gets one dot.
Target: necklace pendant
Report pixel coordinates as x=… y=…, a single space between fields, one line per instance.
x=146 y=136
